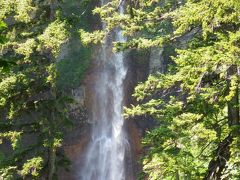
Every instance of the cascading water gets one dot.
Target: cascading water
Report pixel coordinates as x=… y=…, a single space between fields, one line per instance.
x=104 y=158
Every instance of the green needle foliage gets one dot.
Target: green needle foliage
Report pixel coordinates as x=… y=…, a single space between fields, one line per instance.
x=33 y=111
x=196 y=103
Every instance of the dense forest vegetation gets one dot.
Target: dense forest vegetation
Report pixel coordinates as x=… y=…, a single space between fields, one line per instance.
x=195 y=102
x=33 y=104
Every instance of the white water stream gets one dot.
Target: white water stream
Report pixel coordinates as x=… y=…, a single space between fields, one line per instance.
x=105 y=154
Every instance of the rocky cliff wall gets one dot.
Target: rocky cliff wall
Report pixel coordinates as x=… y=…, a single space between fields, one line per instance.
x=141 y=64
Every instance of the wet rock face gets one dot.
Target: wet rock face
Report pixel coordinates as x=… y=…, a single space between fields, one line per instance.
x=78 y=137
x=160 y=58
x=138 y=71
x=74 y=151
x=77 y=110
x=156 y=60
x=182 y=42
x=140 y=65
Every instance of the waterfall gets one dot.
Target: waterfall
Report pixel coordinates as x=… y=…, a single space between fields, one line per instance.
x=105 y=154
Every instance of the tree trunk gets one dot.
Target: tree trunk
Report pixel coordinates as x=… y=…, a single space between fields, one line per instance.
x=51 y=163
x=218 y=164
x=222 y=155
x=233 y=105
x=52 y=149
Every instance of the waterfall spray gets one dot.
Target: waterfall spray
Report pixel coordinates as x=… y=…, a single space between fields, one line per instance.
x=104 y=159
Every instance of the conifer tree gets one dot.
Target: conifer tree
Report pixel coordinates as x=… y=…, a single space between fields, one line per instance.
x=33 y=112
x=197 y=101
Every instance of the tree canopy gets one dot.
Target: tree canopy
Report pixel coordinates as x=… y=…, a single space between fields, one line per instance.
x=33 y=112
x=196 y=102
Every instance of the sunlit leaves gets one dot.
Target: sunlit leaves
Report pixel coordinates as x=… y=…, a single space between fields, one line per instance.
x=189 y=101
x=53 y=37
x=14 y=137
x=94 y=37
x=24 y=9
x=32 y=166
x=26 y=48
x=31 y=112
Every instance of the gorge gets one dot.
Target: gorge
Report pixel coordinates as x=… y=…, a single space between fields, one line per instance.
x=105 y=154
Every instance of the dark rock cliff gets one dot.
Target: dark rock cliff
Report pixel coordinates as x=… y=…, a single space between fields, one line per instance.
x=140 y=65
